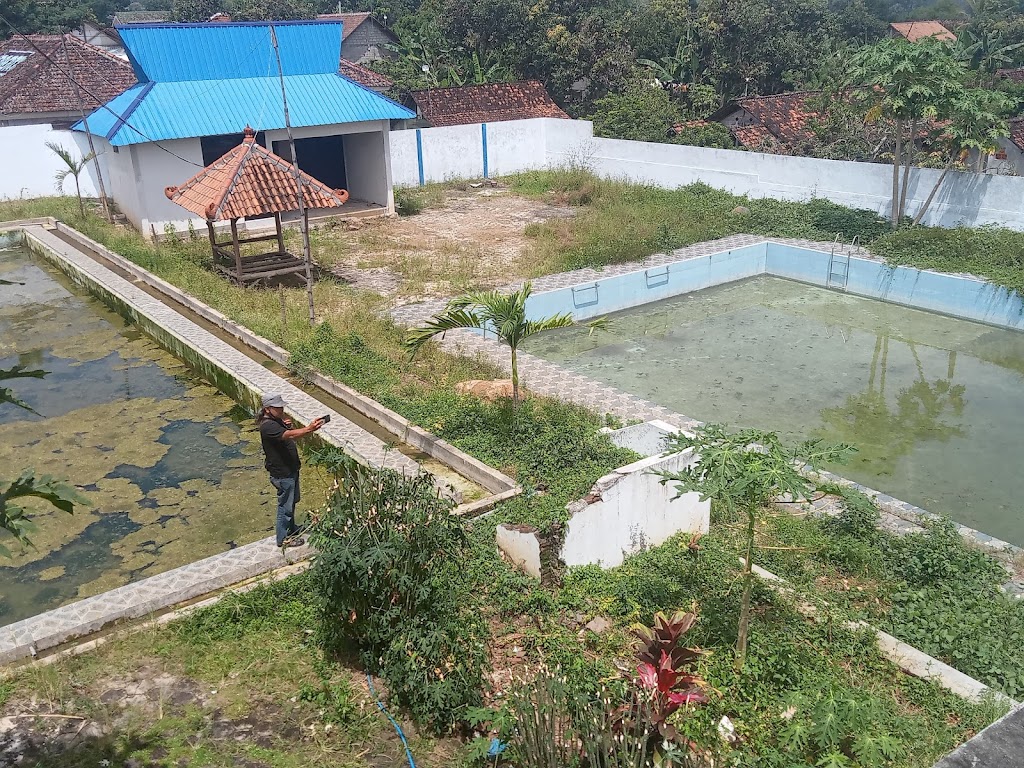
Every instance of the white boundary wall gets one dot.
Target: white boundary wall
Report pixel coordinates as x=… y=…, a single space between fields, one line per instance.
x=458 y=152
x=29 y=165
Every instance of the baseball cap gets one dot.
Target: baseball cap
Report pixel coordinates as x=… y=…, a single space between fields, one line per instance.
x=273 y=401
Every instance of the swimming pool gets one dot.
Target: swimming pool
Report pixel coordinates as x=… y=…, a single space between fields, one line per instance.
x=934 y=404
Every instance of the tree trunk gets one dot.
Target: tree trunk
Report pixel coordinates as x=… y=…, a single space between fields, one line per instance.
x=896 y=175
x=748 y=583
x=931 y=195
x=515 y=379
x=906 y=168
x=78 y=191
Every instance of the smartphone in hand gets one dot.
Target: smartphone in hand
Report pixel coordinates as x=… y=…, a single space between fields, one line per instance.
x=325 y=419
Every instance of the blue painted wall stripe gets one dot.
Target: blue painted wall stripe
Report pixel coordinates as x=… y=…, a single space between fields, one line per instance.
x=483 y=135
x=419 y=155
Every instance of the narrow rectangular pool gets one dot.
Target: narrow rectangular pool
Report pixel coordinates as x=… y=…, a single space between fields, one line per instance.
x=934 y=405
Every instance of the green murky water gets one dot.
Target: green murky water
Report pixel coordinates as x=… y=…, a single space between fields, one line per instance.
x=173 y=468
x=935 y=405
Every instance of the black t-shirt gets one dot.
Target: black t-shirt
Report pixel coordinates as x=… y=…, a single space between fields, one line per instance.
x=282 y=454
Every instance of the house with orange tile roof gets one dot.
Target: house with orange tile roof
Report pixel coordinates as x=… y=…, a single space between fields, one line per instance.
x=489 y=103
x=364 y=38
x=777 y=123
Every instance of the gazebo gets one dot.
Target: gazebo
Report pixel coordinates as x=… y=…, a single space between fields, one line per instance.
x=249 y=181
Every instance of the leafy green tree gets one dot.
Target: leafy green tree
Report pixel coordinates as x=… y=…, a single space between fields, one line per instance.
x=503 y=314
x=977 y=120
x=643 y=112
x=907 y=83
x=73 y=168
x=744 y=472
x=269 y=10
x=704 y=135
x=679 y=67
x=14 y=518
x=197 y=10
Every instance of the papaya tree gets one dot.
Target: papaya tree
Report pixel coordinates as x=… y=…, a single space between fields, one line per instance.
x=744 y=472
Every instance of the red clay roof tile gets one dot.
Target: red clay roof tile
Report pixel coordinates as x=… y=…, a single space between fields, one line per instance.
x=489 y=103
x=250 y=180
x=38 y=84
x=364 y=75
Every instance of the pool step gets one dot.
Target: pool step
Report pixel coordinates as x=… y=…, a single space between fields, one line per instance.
x=839 y=265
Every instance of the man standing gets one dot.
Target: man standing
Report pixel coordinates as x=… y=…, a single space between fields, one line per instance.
x=282 y=462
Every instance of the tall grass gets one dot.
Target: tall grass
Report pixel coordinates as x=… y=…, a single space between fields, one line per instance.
x=620 y=222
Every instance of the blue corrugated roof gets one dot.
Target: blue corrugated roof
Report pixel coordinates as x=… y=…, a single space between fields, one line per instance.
x=179 y=110
x=209 y=79
x=174 y=52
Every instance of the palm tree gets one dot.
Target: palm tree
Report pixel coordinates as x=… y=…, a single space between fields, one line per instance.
x=504 y=314
x=74 y=169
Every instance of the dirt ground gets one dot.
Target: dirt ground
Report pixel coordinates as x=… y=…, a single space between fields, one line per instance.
x=478 y=239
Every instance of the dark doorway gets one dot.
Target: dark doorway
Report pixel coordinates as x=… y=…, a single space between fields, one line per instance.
x=215 y=147
x=322 y=157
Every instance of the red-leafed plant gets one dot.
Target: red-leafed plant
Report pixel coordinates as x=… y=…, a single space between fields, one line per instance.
x=665 y=674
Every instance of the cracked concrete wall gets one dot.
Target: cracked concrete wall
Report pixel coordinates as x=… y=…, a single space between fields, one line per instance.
x=630 y=510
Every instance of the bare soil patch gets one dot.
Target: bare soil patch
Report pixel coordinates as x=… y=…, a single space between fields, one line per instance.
x=477 y=240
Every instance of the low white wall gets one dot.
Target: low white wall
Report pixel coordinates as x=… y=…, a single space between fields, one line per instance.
x=633 y=511
x=964 y=199
x=29 y=165
x=457 y=152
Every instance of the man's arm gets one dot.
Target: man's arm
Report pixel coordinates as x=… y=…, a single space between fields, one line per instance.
x=291 y=434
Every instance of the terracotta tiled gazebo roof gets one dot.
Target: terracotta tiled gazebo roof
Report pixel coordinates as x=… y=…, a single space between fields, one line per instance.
x=250 y=180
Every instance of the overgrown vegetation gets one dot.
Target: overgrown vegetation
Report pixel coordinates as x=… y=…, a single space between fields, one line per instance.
x=554 y=450
x=392 y=593
x=931 y=589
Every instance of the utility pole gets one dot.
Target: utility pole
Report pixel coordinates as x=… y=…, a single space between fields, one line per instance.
x=298 y=183
x=88 y=134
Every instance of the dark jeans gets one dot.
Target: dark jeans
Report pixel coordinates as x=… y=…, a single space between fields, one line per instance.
x=288 y=496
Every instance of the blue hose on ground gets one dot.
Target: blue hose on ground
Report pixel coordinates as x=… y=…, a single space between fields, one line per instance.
x=398 y=728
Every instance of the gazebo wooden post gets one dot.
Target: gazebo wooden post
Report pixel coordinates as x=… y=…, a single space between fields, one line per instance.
x=236 y=248
x=280 y=232
x=213 y=239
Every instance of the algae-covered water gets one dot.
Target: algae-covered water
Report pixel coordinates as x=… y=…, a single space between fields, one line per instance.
x=173 y=468
x=934 y=405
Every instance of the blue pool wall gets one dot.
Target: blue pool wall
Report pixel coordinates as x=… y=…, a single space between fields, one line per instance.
x=593 y=299
x=955 y=295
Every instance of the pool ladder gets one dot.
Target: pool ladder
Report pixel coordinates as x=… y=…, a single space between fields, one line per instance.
x=839 y=264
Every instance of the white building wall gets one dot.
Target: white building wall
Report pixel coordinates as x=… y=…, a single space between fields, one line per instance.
x=29 y=165
x=364 y=159
x=155 y=169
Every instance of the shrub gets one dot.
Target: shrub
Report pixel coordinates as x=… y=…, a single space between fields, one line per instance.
x=390 y=589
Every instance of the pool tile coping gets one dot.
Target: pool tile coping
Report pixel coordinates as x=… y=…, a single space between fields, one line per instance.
x=552 y=380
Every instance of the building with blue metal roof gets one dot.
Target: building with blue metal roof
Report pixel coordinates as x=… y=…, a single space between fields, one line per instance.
x=200 y=85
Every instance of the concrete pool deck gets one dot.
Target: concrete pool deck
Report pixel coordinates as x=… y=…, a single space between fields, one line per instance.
x=744 y=256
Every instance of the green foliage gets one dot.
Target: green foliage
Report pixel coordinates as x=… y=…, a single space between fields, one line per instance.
x=390 y=587
x=337 y=699
x=14 y=518
x=643 y=112
x=503 y=314
x=744 y=472
x=704 y=135
x=938 y=555
x=840 y=729
x=268 y=605
x=73 y=168
x=988 y=252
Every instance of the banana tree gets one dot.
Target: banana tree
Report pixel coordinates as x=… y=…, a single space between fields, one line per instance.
x=503 y=314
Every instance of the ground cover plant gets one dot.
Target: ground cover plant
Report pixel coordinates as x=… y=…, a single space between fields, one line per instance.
x=931 y=589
